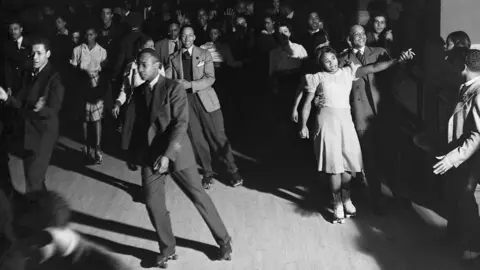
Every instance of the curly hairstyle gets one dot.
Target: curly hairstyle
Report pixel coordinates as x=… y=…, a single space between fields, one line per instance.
x=472 y=60
x=322 y=51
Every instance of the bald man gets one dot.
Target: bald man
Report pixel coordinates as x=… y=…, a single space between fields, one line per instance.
x=368 y=103
x=156 y=128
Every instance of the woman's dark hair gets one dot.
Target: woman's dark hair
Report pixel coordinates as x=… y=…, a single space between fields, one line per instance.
x=282 y=39
x=322 y=51
x=460 y=39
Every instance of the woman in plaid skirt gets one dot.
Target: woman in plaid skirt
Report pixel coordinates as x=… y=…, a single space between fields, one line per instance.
x=89 y=58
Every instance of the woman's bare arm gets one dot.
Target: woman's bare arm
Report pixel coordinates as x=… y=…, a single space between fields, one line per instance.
x=307 y=106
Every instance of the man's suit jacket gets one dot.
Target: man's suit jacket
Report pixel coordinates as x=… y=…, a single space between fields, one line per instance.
x=162 y=48
x=167 y=132
x=40 y=128
x=203 y=76
x=464 y=131
x=365 y=100
x=16 y=61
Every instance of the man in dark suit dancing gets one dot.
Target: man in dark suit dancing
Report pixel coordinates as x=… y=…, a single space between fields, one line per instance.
x=369 y=103
x=156 y=126
x=37 y=103
x=193 y=68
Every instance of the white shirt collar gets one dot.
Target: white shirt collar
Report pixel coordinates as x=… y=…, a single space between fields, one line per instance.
x=190 y=50
x=174 y=40
x=362 y=50
x=126 y=13
x=472 y=81
x=314 y=31
x=289 y=16
x=152 y=83
x=19 y=41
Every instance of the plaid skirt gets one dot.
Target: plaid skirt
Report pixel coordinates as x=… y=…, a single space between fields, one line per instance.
x=94 y=111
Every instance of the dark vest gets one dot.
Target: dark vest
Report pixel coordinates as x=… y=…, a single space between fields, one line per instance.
x=187 y=68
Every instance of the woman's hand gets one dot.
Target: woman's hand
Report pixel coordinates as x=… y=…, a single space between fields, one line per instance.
x=295 y=116
x=304 y=133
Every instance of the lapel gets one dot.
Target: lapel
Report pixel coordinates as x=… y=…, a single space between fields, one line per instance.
x=467 y=95
x=369 y=55
x=195 y=62
x=177 y=65
x=158 y=98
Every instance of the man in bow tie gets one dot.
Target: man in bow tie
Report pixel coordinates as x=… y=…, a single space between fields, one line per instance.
x=193 y=68
x=155 y=130
x=37 y=105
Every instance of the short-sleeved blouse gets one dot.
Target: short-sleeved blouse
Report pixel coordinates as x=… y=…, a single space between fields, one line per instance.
x=333 y=88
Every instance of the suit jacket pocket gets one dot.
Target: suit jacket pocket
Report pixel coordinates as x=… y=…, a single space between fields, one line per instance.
x=209 y=100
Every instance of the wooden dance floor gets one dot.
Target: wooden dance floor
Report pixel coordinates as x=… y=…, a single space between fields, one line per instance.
x=269 y=230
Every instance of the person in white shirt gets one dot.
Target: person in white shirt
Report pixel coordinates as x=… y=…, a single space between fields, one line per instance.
x=336 y=144
x=89 y=58
x=458 y=160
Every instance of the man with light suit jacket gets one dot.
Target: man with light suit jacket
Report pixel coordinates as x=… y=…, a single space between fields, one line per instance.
x=193 y=68
x=462 y=157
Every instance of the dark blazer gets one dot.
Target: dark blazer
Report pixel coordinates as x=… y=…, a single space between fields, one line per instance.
x=16 y=61
x=365 y=101
x=167 y=133
x=162 y=46
x=39 y=127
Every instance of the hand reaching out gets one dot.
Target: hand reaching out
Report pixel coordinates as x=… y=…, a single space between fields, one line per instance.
x=406 y=55
x=443 y=166
x=229 y=12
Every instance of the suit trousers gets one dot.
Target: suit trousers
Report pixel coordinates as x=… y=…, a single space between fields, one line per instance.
x=207 y=132
x=370 y=154
x=463 y=218
x=189 y=181
x=35 y=165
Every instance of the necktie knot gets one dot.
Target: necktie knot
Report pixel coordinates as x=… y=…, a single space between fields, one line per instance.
x=186 y=54
x=359 y=56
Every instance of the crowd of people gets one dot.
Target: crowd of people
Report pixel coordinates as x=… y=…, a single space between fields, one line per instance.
x=175 y=79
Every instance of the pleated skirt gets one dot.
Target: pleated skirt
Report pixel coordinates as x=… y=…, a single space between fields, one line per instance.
x=336 y=145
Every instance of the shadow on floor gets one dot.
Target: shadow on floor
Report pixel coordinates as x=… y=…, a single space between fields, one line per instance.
x=146 y=256
x=70 y=159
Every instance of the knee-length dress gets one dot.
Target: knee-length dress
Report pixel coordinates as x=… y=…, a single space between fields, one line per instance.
x=336 y=143
x=90 y=61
